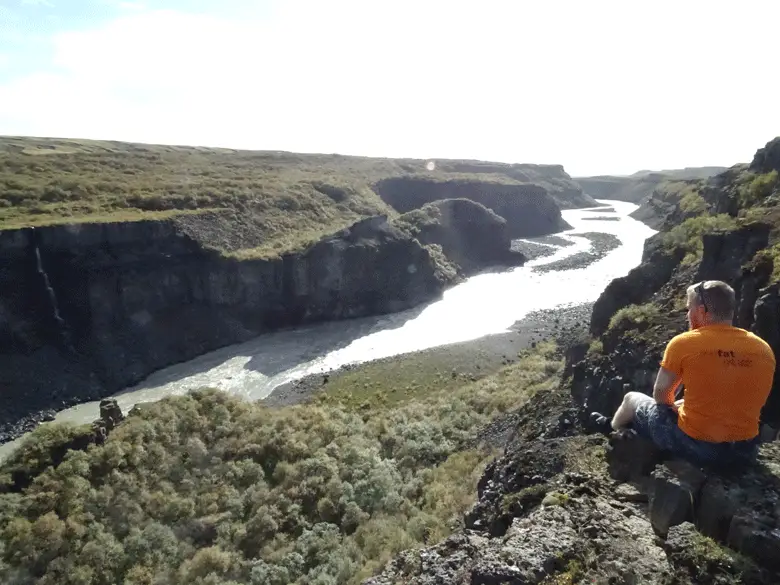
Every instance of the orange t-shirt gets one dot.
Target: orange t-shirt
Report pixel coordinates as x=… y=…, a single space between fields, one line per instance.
x=727 y=373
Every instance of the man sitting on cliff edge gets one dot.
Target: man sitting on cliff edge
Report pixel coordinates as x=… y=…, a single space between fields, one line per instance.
x=727 y=374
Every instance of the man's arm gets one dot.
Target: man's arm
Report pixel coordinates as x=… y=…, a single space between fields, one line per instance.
x=666 y=383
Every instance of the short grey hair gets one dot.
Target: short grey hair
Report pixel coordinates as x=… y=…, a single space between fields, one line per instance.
x=719 y=298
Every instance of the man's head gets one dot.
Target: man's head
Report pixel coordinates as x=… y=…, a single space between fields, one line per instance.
x=710 y=301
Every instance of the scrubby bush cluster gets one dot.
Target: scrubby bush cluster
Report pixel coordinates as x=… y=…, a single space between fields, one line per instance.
x=688 y=234
x=207 y=489
x=634 y=317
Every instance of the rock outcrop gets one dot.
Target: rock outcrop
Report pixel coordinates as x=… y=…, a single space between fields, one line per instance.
x=135 y=297
x=564 y=507
x=553 y=510
x=767 y=159
x=736 y=507
x=566 y=192
x=528 y=209
x=470 y=235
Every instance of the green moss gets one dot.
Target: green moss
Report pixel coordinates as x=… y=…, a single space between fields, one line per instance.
x=571 y=574
x=688 y=235
x=692 y=202
x=595 y=349
x=705 y=557
x=634 y=317
x=770 y=254
x=752 y=188
x=525 y=500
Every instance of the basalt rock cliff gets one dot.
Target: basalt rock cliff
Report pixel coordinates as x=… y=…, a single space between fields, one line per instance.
x=528 y=209
x=470 y=235
x=86 y=310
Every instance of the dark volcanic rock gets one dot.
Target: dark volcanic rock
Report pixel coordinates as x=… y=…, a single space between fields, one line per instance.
x=122 y=300
x=737 y=507
x=528 y=209
x=767 y=159
x=725 y=254
x=556 y=523
x=638 y=285
x=766 y=324
x=471 y=235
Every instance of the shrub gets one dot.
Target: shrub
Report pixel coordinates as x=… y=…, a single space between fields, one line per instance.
x=754 y=188
x=210 y=489
x=634 y=317
x=693 y=203
x=688 y=234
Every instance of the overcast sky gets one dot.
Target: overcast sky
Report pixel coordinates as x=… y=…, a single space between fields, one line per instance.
x=598 y=86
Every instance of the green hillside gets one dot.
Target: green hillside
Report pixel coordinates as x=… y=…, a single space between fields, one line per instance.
x=283 y=198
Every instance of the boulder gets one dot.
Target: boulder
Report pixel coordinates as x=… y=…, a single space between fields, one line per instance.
x=675 y=493
x=703 y=560
x=110 y=413
x=757 y=537
x=739 y=508
x=631 y=458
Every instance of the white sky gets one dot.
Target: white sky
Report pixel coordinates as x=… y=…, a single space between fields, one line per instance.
x=598 y=86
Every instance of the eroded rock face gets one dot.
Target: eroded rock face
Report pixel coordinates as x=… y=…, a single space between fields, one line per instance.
x=470 y=234
x=638 y=286
x=528 y=209
x=766 y=324
x=136 y=297
x=767 y=159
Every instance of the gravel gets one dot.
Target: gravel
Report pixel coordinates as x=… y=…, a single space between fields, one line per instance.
x=601 y=245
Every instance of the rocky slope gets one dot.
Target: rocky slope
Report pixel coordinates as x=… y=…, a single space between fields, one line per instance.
x=562 y=506
x=528 y=209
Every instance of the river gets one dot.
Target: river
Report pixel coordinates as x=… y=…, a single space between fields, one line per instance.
x=482 y=305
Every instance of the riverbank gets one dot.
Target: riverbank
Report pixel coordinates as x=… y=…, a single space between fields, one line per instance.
x=472 y=360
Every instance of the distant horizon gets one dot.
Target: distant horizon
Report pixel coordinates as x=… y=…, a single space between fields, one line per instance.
x=428 y=158
x=583 y=85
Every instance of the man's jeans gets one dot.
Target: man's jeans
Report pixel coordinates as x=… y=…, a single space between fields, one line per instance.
x=658 y=423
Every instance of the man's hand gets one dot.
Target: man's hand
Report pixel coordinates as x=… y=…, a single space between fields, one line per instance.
x=666 y=383
x=677 y=404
